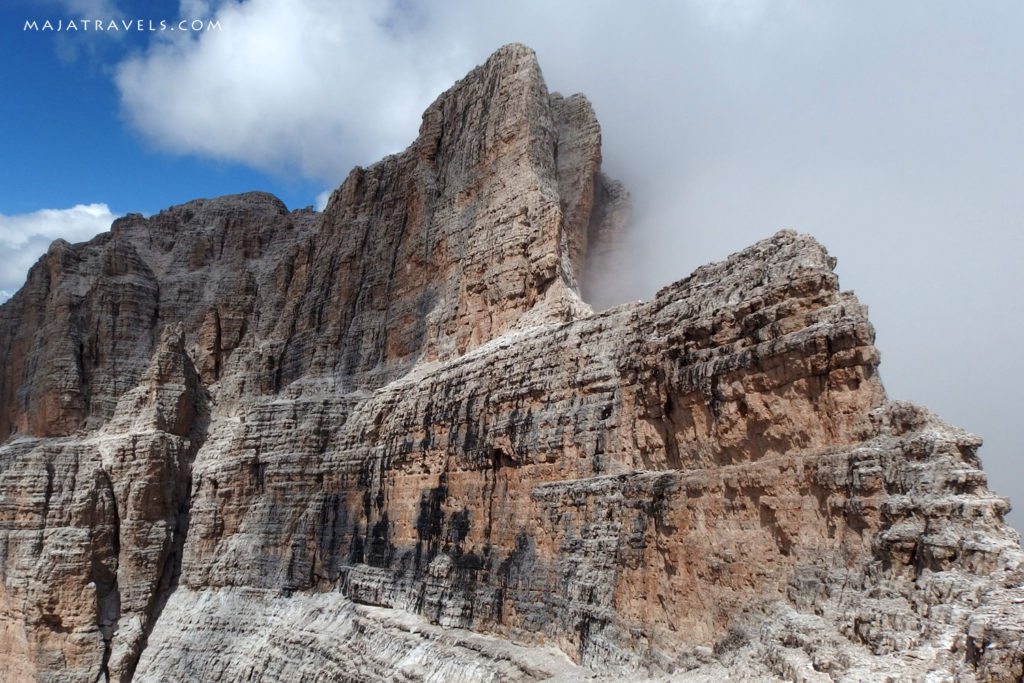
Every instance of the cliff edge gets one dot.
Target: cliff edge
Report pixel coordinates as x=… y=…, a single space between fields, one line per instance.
x=392 y=441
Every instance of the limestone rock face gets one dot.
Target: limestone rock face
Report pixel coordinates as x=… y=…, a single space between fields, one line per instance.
x=391 y=441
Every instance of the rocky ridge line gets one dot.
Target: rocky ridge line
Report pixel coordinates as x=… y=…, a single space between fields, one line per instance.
x=243 y=441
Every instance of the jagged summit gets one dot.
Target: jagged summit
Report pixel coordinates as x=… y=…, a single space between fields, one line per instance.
x=390 y=440
x=483 y=225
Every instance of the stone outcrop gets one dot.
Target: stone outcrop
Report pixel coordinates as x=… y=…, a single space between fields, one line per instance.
x=392 y=441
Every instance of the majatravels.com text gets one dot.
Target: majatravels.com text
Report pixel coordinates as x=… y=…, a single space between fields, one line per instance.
x=108 y=25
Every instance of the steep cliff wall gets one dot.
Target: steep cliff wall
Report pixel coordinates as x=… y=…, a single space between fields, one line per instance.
x=392 y=441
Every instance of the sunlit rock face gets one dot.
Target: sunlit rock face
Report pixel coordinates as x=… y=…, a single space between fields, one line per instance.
x=393 y=441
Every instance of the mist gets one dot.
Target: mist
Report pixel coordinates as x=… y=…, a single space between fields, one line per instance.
x=889 y=131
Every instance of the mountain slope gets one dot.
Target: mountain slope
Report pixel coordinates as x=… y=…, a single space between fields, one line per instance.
x=392 y=440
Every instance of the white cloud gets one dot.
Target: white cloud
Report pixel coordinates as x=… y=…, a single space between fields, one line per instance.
x=317 y=86
x=312 y=86
x=194 y=9
x=24 y=237
x=322 y=199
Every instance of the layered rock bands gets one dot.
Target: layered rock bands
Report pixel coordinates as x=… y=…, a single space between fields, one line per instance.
x=391 y=441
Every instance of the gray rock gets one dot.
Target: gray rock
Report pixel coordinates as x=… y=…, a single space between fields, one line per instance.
x=391 y=441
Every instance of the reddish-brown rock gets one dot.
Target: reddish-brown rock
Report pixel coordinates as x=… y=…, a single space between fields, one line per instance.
x=392 y=440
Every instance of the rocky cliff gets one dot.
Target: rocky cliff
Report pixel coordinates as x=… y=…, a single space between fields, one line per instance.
x=392 y=441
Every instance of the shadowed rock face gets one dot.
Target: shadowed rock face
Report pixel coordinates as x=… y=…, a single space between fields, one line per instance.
x=392 y=440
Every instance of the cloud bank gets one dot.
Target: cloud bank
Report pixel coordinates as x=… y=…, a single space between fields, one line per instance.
x=307 y=86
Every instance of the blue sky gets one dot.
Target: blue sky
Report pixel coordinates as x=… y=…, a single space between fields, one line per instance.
x=95 y=125
x=890 y=131
x=67 y=142
x=64 y=135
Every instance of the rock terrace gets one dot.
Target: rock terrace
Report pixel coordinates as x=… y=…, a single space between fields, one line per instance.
x=392 y=441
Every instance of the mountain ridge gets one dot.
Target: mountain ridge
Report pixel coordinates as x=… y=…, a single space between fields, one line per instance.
x=399 y=420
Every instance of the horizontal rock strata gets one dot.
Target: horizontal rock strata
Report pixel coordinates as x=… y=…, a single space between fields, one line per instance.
x=391 y=441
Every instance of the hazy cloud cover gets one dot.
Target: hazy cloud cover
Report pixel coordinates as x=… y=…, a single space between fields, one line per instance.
x=890 y=131
x=26 y=237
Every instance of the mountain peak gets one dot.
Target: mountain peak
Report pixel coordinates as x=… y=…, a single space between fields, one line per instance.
x=397 y=422
x=482 y=226
x=490 y=213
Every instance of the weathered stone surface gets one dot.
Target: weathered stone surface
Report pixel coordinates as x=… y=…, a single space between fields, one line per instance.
x=93 y=527
x=324 y=637
x=392 y=441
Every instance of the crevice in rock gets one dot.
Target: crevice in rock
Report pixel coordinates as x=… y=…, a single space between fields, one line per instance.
x=218 y=350
x=47 y=496
x=108 y=600
x=645 y=567
x=170 y=576
x=672 y=458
